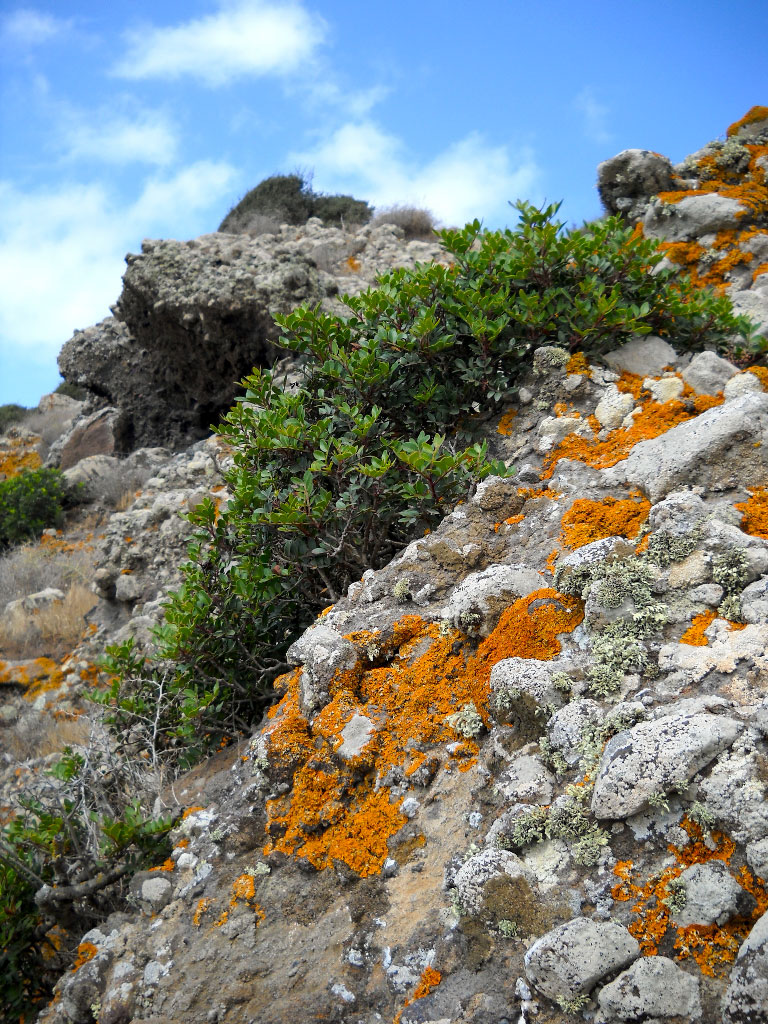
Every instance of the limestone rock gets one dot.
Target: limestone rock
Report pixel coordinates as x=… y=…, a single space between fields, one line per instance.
x=653 y=757
x=572 y=958
x=653 y=988
x=707 y=447
x=484 y=595
x=712 y=896
x=489 y=880
x=631 y=176
x=613 y=407
x=707 y=373
x=644 y=354
x=746 y=1001
x=691 y=217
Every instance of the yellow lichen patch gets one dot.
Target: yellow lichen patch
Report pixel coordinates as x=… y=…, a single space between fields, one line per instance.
x=18 y=454
x=505 y=423
x=339 y=809
x=713 y=948
x=761 y=372
x=759 y=271
x=753 y=115
x=244 y=889
x=695 y=635
x=578 y=364
x=203 y=905
x=587 y=521
x=755 y=513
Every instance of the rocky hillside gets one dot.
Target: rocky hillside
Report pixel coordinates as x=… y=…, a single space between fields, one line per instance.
x=517 y=774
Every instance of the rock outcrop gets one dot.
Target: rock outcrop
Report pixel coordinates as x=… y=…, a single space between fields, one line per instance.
x=518 y=773
x=195 y=317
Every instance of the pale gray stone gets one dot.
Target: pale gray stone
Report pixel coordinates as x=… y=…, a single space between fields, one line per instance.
x=691 y=217
x=527 y=780
x=721 y=447
x=757 y=858
x=514 y=677
x=356 y=735
x=573 y=957
x=754 y=304
x=754 y=602
x=741 y=384
x=323 y=651
x=746 y=1000
x=644 y=355
x=707 y=373
x=630 y=177
x=654 y=987
x=735 y=792
x=613 y=407
x=664 y=389
x=712 y=896
x=655 y=757
x=486 y=594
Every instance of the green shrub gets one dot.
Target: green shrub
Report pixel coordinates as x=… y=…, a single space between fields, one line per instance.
x=31 y=502
x=65 y=861
x=289 y=199
x=10 y=414
x=71 y=391
x=379 y=442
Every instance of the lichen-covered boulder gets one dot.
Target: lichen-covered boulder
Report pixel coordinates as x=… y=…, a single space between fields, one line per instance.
x=653 y=988
x=653 y=757
x=746 y=1000
x=572 y=958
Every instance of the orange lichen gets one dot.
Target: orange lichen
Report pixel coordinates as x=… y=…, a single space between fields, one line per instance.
x=85 y=951
x=578 y=364
x=713 y=948
x=761 y=269
x=695 y=635
x=429 y=980
x=652 y=420
x=552 y=557
x=341 y=810
x=753 y=115
x=505 y=423
x=761 y=372
x=755 y=513
x=203 y=905
x=167 y=865
x=352 y=264
x=587 y=521
x=17 y=455
x=191 y=810
x=512 y=521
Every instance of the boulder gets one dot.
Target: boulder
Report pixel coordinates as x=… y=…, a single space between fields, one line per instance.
x=654 y=988
x=654 y=757
x=572 y=958
x=193 y=319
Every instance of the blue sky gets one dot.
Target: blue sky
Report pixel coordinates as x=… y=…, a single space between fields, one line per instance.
x=150 y=118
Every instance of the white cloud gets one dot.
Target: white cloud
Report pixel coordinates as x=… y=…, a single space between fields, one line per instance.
x=62 y=249
x=594 y=115
x=27 y=27
x=245 y=37
x=147 y=138
x=471 y=178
